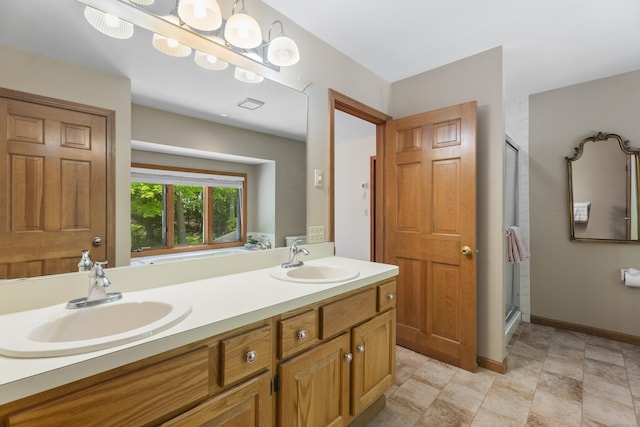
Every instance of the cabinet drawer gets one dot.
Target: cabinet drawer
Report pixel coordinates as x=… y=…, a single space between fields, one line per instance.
x=387 y=295
x=341 y=315
x=136 y=398
x=245 y=354
x=298 y=333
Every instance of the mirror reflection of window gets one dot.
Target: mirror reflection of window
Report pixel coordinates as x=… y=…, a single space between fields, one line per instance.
x=197 y=209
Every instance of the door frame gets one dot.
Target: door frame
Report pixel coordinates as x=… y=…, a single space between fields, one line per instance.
x=109 y=116
x=340 y=102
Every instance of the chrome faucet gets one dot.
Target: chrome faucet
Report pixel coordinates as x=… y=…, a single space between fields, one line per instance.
x=99 y=282
x=264 y=242
x=294 y=251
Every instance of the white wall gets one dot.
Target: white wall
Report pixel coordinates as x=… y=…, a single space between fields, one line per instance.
x=355 y=143
x=478 y=77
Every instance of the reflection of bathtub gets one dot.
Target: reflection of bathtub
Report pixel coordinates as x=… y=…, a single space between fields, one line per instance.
x=156 y=259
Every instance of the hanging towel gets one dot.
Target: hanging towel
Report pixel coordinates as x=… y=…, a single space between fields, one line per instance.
x=517 y=250
x=581 y=212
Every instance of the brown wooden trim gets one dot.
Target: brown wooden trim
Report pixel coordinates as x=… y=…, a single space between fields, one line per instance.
x=492 y=365
x=110 y=128
x=338 y=101
x=182 y=169
x=589 y=330
x=372 y=207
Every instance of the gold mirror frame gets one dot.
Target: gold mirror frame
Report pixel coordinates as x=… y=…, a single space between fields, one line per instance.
x=632 y=187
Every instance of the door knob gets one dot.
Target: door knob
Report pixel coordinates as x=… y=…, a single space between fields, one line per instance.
x=465 y=250
x=97 y=241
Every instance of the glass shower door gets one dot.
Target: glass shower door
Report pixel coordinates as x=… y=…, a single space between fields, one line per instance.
x=512 y=285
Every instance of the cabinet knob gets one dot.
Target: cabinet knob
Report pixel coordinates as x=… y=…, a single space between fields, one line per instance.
x=252 y=356
x=390 y=296
x=360 y=348
x=302 y=335
x=348 y=357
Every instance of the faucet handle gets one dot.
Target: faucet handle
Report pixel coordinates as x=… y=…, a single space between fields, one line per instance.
x=97 y=270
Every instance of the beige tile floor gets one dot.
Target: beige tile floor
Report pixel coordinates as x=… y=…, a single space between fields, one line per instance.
x=555 y=378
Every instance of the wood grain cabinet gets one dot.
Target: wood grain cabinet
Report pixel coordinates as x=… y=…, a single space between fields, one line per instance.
x=320 y=365
x=246 y=405
x=338 y=378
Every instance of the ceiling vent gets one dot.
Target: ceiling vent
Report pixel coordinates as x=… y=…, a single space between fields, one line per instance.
x=250 y=104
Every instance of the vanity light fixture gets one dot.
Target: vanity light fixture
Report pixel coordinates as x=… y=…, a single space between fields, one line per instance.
x=282 y=50
x=170 y=46
x=241 y=29
x=108 y=24
x=247 y=76
x=202 y=15
x=210 y=62
x=250 y=104
x=243 y=45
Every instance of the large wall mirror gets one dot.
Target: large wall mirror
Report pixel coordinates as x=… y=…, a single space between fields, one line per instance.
x=178 y=85
x=603 y=189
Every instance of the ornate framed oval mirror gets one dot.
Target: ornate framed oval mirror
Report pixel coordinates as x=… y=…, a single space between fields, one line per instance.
x=603 y=189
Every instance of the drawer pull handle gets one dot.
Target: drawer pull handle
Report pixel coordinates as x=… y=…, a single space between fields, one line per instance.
x=390 y=296
x=348 y=357
x=302 y=335
x=360 y=349
x=252 y=356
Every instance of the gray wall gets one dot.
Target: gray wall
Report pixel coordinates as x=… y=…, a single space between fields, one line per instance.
x=285 y=208
x=40 y=75
x=571 y=281
x=479 y=78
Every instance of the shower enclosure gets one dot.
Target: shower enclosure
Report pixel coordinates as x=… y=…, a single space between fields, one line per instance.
x=512 y=274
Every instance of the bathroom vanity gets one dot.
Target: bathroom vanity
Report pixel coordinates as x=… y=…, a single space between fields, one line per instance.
x=255 y=350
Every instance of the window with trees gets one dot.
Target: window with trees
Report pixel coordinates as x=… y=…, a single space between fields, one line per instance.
x=177 y=209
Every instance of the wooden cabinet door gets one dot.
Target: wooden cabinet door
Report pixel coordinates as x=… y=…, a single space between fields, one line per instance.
x=374 y=361
x=55 y=186
x=314 y=386
x=247 y=405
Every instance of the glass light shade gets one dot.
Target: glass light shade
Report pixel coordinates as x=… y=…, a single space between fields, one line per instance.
x=169 y=46
x=203 y=15
x=247 y=76
x=108 y=24
x=283 y=51
x=209 y=62
x=143 y=2
x=243 y=31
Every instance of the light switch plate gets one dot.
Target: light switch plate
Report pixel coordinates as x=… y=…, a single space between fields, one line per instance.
x=316 y=234
x=318 y=178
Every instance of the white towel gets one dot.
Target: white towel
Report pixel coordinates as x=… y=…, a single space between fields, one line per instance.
x=517 y=250
x=581 y=212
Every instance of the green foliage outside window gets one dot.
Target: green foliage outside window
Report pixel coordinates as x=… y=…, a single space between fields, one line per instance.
x=148 y=215
x=147 y=202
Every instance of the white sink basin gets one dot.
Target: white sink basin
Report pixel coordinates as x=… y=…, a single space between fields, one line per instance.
x=58 y=331
x=316 y=273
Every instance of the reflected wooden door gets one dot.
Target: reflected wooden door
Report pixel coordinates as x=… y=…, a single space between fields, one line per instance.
x=53 y=188
x=430 y=230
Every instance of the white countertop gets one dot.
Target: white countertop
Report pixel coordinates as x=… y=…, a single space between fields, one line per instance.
x=219 y=304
